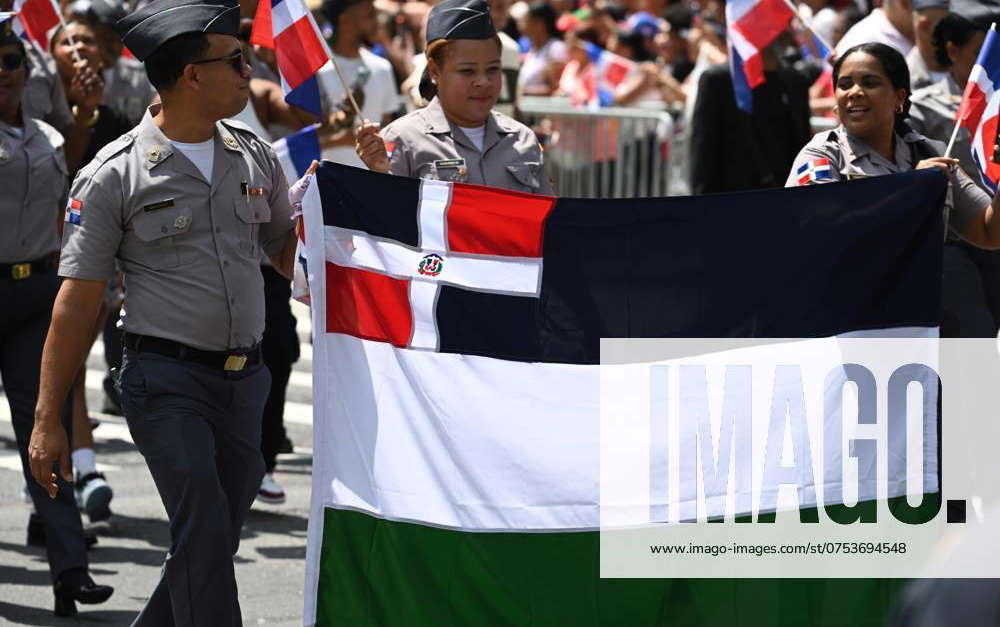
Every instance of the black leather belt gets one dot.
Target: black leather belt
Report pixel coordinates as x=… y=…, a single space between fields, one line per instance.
x=25 y=269
x=232 y=361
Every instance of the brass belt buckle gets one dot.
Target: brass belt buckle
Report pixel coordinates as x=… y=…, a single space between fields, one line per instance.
x=235 y=363
x=20 y=271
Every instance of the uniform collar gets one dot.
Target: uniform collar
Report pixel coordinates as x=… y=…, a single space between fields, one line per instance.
x=437 y=122
x=155 y=148
x=28 y=127
x=854 y=148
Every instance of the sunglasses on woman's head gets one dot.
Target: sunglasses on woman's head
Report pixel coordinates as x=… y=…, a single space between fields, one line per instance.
x=11 y=62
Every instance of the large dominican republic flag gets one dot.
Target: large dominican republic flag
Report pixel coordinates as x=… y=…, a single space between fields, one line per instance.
x=456 y=341
x=980 y=108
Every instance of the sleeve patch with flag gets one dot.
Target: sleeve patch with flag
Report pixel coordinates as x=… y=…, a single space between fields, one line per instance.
x=73 y=209
x=814 y=171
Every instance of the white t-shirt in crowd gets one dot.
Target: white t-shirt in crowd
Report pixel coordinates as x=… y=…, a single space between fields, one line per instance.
x=536 y=61
x=381 y=95
x=476 y=135
x=875 y=28
x=201 y=155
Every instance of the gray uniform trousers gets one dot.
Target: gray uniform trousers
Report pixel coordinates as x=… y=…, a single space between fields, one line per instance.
x=199 y=430
x=24 y=323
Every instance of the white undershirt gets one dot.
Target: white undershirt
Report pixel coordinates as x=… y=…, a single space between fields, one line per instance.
x=201 y=154
x=476 y=135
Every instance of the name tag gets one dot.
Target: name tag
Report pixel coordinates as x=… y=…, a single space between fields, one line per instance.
x=450 y=170
x=163 y=204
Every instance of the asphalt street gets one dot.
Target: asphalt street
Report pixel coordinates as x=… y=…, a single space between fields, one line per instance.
x=269 y=566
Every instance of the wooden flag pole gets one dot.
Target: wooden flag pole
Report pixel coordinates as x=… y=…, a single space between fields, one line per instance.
x=951 y=142
x=62 y=22
x=336 y=68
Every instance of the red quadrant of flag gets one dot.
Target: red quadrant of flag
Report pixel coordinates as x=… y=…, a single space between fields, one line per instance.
x=484 y=221
x=368 y=305
x=299 y=52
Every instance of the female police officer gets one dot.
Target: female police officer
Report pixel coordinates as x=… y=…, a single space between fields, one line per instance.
x=33 y=171
x=872 y=92
x=458 y=136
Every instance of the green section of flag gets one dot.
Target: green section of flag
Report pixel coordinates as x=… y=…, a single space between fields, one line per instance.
x=377 y=573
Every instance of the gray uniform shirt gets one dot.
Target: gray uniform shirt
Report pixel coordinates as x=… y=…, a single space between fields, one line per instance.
x=932 y=114
x=127 y=90
x=190 y=249
x=33 y=174
x=424 y=144
x=851 y=158
x=44 y=97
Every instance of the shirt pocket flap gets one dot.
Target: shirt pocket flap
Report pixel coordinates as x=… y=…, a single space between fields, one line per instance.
x=526 y=173
x=256 y=211
x=150 y=226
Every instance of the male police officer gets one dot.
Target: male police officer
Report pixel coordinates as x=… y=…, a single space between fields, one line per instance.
x=186 y=202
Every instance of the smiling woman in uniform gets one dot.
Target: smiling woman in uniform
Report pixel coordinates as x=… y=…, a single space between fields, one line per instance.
x=458 y=136
x=872 y=91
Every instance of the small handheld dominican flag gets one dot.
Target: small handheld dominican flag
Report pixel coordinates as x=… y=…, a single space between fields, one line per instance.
x=814 y=171
x=299 y=49
x=751 y=25
x=297 y=151
x=38 y=17
x=980 y=108
x=73 y=209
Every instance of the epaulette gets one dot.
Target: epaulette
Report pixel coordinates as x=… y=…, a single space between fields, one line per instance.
x=113 y=148
x=55 y=137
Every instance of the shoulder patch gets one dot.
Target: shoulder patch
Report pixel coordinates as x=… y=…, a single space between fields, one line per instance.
x=114 y=147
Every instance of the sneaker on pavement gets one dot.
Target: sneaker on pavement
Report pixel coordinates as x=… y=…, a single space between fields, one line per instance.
x=270 y=491
x=93 y=495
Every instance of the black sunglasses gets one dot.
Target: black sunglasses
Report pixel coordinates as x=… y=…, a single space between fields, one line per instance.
x=236 y=61
x=11 y=62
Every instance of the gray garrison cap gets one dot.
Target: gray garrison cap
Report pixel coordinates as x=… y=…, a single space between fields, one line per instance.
x=147 y=29
x=459 y=19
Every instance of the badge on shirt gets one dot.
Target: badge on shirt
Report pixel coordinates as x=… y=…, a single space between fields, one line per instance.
x=450 y=169
x=73 y=210
x=390 y=147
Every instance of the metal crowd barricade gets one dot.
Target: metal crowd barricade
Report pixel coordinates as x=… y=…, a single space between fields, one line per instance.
x=604 y=153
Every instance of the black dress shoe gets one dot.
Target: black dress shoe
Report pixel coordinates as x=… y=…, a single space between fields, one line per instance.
x=79 y=587
x=36 y=533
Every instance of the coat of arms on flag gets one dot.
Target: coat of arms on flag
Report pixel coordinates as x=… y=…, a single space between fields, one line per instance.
x=814 y=171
